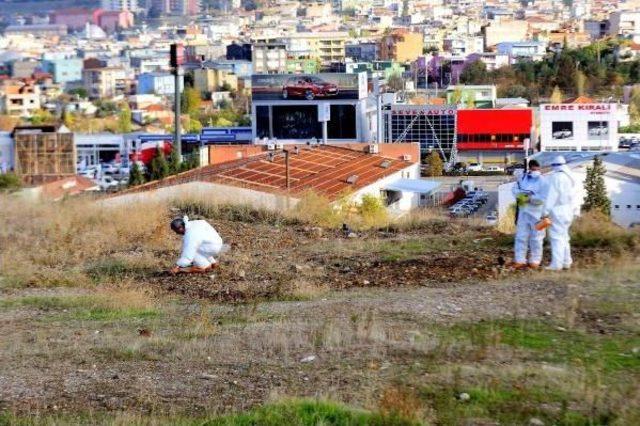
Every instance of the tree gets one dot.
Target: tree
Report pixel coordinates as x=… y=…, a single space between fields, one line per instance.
x=124 y=119
x=80 y=92
x=581 y=81
x=191 y=101
x=67 y=118
x=470 y=102
x=434 y=164
x=456 y=96
x=175 y=165
x=395 y=82
x=158 y=168
x=634 y=105
x=596 y=198
x=136 y=177
x=474 y=73
x=41 y=116
x=556 y=96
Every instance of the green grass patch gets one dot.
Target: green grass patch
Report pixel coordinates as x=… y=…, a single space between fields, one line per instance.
x=545 y=342
x=505 y=403
x=308 y=412
x=85 y=308
x=288 y=413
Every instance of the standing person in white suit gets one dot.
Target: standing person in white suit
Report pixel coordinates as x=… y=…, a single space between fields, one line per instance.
x=529 y=190
x=201 y=244
x=561 y=207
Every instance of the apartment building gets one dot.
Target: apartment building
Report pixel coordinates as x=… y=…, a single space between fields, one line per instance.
x=327 y=47
x=401 y=45
x=269 y=58
x=20 y=99
x=64 y=70
x=101 y=82
x=131 y=5
x=208 y=80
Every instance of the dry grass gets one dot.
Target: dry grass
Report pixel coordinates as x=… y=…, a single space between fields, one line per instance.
x=64 y=244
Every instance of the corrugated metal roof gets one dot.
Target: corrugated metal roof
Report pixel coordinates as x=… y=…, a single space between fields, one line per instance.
x=323 y=169
x=414 y=185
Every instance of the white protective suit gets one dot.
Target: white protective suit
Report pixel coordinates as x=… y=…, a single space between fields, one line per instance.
x=527 y=237
x=561 y=207
x=201 y=243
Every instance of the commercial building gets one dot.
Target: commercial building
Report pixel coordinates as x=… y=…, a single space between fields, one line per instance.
x=433 y=127
x=579 y=127
x=493 y=135
x=44 y=153
x=401 y=45
x=292 y=108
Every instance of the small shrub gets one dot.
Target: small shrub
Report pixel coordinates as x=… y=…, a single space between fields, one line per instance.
x=316 y=209
x=9 y=182
x=595 y=230
x=373 y=212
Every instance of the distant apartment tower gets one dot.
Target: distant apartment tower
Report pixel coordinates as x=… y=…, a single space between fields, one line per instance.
x=131 y=5
x=269 y=58
x=185 y=7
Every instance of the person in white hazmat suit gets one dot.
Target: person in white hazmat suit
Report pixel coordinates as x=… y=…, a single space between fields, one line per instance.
x=561 y=207
x=201 y=244
x=529 y=190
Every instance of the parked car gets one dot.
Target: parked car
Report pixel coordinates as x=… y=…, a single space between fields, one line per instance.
x=308 y=88
x=109 y=168
x=623 y=142
x=513 y=168
x=108 y=183
x=494 y=169
x=492 y=218
x=474 y=167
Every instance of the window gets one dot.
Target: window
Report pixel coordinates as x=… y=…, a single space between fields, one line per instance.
x=616 y=206
x=628 y=206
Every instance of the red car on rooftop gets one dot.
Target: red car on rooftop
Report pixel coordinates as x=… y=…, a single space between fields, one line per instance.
x=308 y=87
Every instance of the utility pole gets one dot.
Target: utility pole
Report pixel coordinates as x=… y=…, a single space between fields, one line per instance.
x=176 y=59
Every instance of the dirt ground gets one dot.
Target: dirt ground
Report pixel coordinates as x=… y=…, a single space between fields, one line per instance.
x=305 y=312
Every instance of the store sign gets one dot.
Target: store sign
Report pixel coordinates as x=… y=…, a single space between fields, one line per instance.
x=422 y=110
x=308 y=87
x=324 y=112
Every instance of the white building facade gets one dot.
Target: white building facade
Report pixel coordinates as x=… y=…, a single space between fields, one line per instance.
x=579 y=127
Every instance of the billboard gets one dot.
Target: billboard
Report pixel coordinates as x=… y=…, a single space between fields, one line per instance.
x=308 y=87
x=300 y=122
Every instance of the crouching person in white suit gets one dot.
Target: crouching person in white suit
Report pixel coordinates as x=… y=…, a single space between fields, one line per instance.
x=201 y=244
